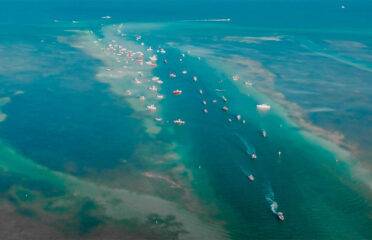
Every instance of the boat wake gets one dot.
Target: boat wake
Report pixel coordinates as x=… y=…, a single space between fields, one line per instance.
x=210 y=20
x=248 y=149
x=270 y=198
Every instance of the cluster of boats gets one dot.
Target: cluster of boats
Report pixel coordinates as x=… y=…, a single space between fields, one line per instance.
x=150 y=59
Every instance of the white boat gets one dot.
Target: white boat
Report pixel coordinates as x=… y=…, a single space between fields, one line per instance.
x=153 y=58
x=225 y=108
x=184 y=72
x=263 y=107
x=280 y=216
x=238 y=117
x=236 y=77
x=195 y=78
x=200 y=91
x=179 y=122
x=253 y=156
x=158 y=119
x=151 y=108
x=204 y=102
x=264 y=133
x=224 y=98
x=172 y=75
x=251 y=177
x=205 y=110
x=142 y=98
x=153 y=88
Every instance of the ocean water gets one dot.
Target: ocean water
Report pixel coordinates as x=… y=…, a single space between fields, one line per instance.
x=82 y=157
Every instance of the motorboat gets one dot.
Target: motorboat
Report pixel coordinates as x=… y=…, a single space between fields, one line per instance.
x=263 y=107
x=236 y=77
x=153 y=88
x=172 y=75
x=224 y=98
x=177 y=92
x=263 y=133
x=238 y=117
x=151 y=108
x=204 y=102
x=179 y=122
x=195 y=78
x=225 y=108
x=153 y=58
x=280 y=216
x=251 y=177
x=205 y=110
x=184 y=72
x=253 y=156
x=200 y=91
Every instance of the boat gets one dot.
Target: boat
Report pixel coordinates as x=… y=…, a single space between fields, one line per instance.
x=263 y=107
x=200 y=91
x=153 y=88
x=224 y=108
x=224 y=98
x=151 y=108
x=236 y=77
x=251 y=177
x=172 y=75
x=177 y=92
x=184 y=72
x=238 y=117
x=205 y=110
x=253 y=156
x=263 y=133
x=194 y=78
x=280 y=216
x=204 y=102
x=179 y=122
x=158 y=119
x=153 y=58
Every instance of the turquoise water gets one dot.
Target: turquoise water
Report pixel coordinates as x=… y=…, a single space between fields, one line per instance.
x=81 y=154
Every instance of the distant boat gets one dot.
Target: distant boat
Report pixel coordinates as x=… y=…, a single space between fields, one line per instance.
x=225 y=108
x=263 y=133
x=172 y=75
x=251 y=178
x=151 y=108
x=177 y=92
x=253 y=156
x=280 y=216
x=179 y=122
x=236 y=77
x=263 y=107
